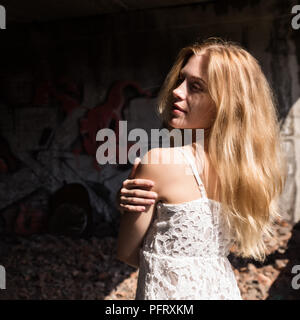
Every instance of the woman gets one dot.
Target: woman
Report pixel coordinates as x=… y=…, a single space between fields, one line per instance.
x=180 y=243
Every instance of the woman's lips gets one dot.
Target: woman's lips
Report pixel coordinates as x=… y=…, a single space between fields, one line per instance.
x=177 y=109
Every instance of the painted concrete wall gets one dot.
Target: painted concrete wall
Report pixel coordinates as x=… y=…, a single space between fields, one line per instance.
x=63 y=81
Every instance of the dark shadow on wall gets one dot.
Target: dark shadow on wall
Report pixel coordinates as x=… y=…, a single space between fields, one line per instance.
x=278 y=277
x=287 y=282
x=281 y=288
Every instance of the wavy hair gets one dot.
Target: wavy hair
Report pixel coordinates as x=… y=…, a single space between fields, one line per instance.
x=244 y=141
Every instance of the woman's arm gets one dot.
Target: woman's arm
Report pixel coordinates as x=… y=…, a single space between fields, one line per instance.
x=133 y=226
x=135 y=194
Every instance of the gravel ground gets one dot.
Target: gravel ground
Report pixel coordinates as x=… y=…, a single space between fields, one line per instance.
x=58 y=267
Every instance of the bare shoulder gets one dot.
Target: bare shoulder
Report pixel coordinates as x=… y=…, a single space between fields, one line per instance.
x=158 y=156
x=152 y=160
x=153 y=165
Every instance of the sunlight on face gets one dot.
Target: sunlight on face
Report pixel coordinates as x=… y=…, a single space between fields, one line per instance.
x=193 y=107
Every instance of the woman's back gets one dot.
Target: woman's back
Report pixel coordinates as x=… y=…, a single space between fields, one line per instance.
x=175 y=182
x=184 y=253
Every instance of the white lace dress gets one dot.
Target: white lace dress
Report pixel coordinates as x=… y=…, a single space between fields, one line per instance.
x=184 y=253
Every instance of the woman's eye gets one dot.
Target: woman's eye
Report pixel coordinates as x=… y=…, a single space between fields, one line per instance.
x=196 y=87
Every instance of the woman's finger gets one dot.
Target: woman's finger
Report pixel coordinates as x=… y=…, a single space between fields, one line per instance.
x=138 y=183
x=133 y=170
x=137 y=201
x=131 y=209
x=138 y=193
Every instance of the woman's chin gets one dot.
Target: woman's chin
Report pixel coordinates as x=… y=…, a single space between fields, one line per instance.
x=174 y=123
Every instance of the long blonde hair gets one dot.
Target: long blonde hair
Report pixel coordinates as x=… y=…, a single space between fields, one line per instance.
x=244 y=141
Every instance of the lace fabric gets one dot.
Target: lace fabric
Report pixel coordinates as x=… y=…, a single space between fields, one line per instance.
x=184 y=253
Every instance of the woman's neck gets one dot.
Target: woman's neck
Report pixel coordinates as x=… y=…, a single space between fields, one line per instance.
x=195 y=139
x=205 y=139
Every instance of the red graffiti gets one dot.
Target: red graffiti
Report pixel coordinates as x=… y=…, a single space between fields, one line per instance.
x=106 y=115
x=30 y=221
x=63 y=91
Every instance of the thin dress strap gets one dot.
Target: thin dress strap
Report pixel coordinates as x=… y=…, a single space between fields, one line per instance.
x=195 y=172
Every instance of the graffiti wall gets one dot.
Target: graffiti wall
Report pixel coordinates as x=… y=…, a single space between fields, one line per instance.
x=48 y=146
x=62 y=81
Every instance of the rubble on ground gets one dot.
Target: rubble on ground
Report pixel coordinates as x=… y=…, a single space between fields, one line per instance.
x=58 y=267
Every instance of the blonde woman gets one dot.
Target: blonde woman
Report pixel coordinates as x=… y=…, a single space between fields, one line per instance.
x=180 y=241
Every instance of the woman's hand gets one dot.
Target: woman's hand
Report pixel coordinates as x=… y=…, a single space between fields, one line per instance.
x=134 y=224
x=135 y=194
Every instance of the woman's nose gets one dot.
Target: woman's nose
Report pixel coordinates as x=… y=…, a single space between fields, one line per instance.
x=179 y=92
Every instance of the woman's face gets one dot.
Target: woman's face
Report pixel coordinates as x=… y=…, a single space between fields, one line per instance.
x=191 y=96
